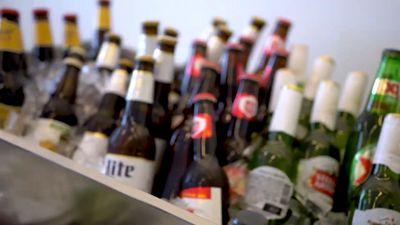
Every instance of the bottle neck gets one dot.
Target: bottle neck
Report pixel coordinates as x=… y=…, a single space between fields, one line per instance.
x=204 y=132
x=208 y=83
x=71 y=34
x=384 y=172
x=320 y=127
x=104 y=20
x=239 y=128
x=192 y=71
x=111 y=105
x=11 y=35
x=275 y=63
x=68 y=85
x=281 y=137
x=44 y=38
x=229 y=77
x=161 y=93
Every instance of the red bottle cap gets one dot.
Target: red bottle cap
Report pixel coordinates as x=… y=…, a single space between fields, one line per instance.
x=199 y=42
x=284 y=21
x=104 y=2
x=9 y=11
x=40 y=12
x=70 y=17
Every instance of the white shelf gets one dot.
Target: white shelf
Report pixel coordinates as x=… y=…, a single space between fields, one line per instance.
x=38 y=185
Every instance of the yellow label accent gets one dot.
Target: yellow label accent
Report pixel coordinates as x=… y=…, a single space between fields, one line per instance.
x=10 y=36
x=43 y=34
x=104 y=18
x=5 y=113
x=72 y=37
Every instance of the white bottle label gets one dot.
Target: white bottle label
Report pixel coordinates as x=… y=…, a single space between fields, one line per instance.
x=316 y=183
x=48 y=133
x=215 y=48
x=118 y=83
x=91 y=150
x=376 y=216
x=141 y=87
x=251 y=32
x=205 y=202
x=147 y=45
x=108 y=56
x=164 y=67
x=133 y=171
x=269 y=191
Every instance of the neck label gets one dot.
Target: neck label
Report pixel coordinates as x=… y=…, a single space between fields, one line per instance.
x=376 y=216
x=43 y=34
x=385 y=95
x=117 y=84
x=72 y=37
x=147 y=44
x=245 y=106
x=164 y=67
x=108 y=56
x=10 y=36
x=215 y=48
x=104 y=18
x=194 y=67
x=141 y=87
x=202 y=126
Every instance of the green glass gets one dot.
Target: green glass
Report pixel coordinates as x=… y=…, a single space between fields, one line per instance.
x=384 y=98
x=381 y=190
x=304 y=120
x=344 y=126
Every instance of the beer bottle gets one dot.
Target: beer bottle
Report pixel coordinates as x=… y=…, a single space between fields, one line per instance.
x=205 y=188
x=99 y=126
x=319 y=168
x=181 y=142
x=254 y=29
x=161 y=116
x=43 y=50
x=228 y=86
x=216 y=43
x=217 y=22
x=276 y=42
x=130 y=158
x=148 y=39
x=103 y=26
x=322 y=70
x=11 y=47
x=71 y=32
x=377 y=200
x=247 y=46
x=383 y=99
x=270 y=182
x=54 y=125
x=349 y=108
x=297 y=62
x=232 y=156
x=171 y=32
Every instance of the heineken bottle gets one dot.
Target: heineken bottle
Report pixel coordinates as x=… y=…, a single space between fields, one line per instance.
x=383 y=99
x=270 y=182
x=378 y=199
x=318 y=170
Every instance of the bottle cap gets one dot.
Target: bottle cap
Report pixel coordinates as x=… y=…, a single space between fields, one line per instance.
x=205 y=97
x=171 y=32
x=144 y=60
x=287 y=112
x=258 y=22
x=167 y=40
x=126 y=62
x=40 y=12
x=219 y=21
x=322 y=70
x=283 y=77
x=9 y=12
x=70 y=17
x=224 y=33
x=388 y=148
x=284 y=22
x=353 y=93
x=325 y=104
x=114 y=38
x=297 y=61
x=199 y=42
x=104 y=2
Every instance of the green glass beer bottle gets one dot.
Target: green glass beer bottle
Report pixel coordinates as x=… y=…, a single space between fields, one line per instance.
x=378 y=199
x=384 y=98
x=270 y=182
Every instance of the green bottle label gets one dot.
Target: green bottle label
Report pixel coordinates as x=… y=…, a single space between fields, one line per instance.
x=362 y=165
x=385 y=95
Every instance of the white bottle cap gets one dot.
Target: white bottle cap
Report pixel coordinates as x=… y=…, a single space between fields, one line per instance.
x=298 y=60
x=147 y=44
x=164 y=67
x=353 y=93
x=118 y=83
x=215 y=48
x=325 y=104
x=141 y=87
x=322 y=70
x=286 y=116
x=283 y=77
x=388 y=148
x=108 y=55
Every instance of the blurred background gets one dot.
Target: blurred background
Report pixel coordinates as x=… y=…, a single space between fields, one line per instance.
x=353 y=32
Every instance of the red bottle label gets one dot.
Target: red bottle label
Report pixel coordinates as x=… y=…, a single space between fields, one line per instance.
x=202 y=126
x=245 y=106
x=194 y=68
x=323 y=182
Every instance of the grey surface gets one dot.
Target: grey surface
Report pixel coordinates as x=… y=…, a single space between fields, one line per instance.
x=35 y=190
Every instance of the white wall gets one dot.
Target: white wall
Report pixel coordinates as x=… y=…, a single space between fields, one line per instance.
x=354 y=32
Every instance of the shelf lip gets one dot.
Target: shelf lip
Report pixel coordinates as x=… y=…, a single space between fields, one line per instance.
x=107 y=181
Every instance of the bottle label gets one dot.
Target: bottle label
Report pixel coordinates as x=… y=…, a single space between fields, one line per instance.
x=237 y=174
x=71 y=33
x=8 y=114
x=316 y=183
x=245 y=106
x=49 y=133
x=104 y=18
x=164 y=67
x=362 y=165
x=141 y=87
x=147 y=45
x=194 y=68
x=43 y=34
x=377 y=216
x=133 y=171
x=108 y=56
x=118 y=83
x=202 y=126
x=204 y=201
x=215 y=48
x=10 y=36
x=274 y=200
x=387 y=91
